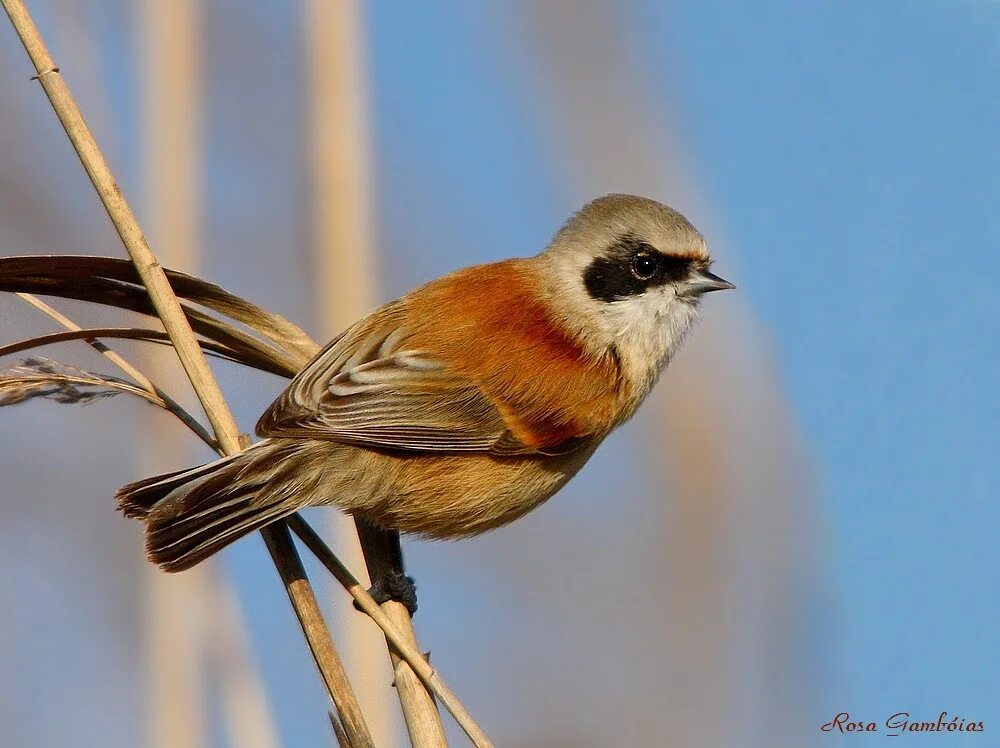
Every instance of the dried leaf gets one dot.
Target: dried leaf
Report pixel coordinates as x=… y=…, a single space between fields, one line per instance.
x=247 y=357
x=114 y=282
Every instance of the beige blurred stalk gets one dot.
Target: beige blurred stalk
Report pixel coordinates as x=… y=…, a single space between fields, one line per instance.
x=227 y=435
x=344 y=273
x=175 y=621
x=193 y=621
x=734 y=468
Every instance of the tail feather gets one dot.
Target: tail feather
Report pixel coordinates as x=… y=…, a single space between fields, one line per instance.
x=191 y=514
x=137 y=499
x=175 y=548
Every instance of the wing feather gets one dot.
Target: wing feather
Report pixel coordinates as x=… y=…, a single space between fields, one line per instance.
x=369 y=388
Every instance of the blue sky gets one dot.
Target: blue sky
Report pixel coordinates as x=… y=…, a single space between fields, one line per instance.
x=847 y=153
x=851 y=152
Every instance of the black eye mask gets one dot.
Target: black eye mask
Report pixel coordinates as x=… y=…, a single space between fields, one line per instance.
x=630 y=268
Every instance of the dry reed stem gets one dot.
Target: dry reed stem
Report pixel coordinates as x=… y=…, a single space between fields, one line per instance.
x=141 y=379
x=400 y=638
x=338 y=731
x=188 y=351
x=382 y=555
x=343 y=279
x=252 y=729
x=152 y=275
x=344 y=283
x=293 y=574
x=401 y=642
x=203 y=381
x=141 y=334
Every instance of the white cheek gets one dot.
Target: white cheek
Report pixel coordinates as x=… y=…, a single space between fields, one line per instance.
x=648 y=329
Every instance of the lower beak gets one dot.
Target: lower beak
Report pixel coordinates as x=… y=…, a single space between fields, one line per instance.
x=704 y=281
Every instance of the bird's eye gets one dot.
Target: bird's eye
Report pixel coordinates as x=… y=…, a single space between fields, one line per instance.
x=645 y=265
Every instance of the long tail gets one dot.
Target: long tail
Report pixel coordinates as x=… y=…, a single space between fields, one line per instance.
x=191 y=514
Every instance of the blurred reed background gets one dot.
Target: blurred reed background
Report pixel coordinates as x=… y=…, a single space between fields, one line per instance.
x=321 y=157
x=178 y=612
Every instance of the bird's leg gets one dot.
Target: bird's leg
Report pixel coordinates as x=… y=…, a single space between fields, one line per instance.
x=384 y=557
x=395 y=585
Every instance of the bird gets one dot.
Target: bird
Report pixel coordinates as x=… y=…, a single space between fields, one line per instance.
x=464 y=404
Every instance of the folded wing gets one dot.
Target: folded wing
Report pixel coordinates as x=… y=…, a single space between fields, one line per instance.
x=369 y=388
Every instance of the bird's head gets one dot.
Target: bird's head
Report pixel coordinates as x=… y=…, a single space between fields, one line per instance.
x=626 y=274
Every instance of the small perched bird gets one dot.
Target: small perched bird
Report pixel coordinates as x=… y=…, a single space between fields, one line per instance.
x=464 y=404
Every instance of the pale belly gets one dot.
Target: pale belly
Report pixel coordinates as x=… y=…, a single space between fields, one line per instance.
x=440 y=496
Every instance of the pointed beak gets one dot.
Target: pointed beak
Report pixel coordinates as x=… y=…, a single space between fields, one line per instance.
x=704 y=281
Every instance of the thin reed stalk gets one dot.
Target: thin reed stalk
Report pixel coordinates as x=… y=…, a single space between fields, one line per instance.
x=343 y=262
x=141 y=379
x=240 y=683
x=400 y=640
x=189 y=350
x=183 y=615
x=195 y=364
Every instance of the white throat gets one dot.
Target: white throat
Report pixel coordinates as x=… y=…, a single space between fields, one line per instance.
x=646 y=331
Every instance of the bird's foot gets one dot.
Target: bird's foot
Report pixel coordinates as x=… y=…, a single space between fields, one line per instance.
x=394 y=585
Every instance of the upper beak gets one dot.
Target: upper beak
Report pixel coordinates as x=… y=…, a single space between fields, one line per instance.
x=703 y=282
